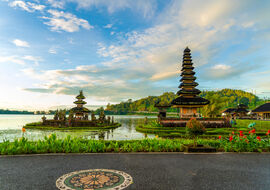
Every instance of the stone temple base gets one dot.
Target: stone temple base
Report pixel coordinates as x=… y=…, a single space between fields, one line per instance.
x=207 y=122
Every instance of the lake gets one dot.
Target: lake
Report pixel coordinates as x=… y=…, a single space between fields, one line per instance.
x=11 y=128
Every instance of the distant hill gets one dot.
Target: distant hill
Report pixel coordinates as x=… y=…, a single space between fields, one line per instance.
x=219 y=100
x=3 y=111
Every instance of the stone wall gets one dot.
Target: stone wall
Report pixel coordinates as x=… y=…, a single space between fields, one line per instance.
x=207 y=122
x=74 y=123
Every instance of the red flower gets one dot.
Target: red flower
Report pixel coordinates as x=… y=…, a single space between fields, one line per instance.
x=233 y=132
x=231 y=138
x=268 y=132
x=252 y=131
x=241 y=132
x=259 y=138
x=244 y=137
x=219 y=137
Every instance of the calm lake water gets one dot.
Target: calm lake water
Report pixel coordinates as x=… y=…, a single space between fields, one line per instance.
x=11 y=125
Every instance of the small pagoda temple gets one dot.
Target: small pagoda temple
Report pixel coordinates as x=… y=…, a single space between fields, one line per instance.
x=188 y=100
x=79 y=112
x=79 y=117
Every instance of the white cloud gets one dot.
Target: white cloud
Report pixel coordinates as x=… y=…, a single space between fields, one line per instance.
x=27 y=6
x=21 y=43
x=12 y=59
x=108 y=26
x=57 y=3
x=221 y=67
x=52 y=50
x=154 y=54
x=21 y=60
x=146 y=8
x=199 y=24
x=61 y=21
x=164 y=75
x=36 y=60
x=102 y=83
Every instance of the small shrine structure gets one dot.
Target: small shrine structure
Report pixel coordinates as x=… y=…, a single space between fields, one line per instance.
x=239 y=112
x=79 y=112
x=162 y=109
x=79 y=117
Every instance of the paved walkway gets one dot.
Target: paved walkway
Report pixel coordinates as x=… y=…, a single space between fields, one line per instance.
x=172 y=171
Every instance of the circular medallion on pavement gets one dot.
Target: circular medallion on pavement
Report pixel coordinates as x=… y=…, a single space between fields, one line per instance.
x=94 y=179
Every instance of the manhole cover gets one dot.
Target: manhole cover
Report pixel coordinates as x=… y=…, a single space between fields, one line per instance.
x=94 y=179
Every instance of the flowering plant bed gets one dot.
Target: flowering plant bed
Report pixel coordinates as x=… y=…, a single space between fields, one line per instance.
x=239 y=142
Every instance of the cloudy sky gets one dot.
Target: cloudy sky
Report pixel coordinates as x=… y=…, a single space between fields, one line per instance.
x=121 y=49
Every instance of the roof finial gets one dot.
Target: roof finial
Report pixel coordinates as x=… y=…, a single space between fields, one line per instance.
x=187 y=49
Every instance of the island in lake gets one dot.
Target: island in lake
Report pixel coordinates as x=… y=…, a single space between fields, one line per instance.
x=78 y=118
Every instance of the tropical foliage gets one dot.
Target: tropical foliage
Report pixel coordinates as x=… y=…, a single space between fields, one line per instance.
x=219 y=100
x=245 y=143
x=52 y=144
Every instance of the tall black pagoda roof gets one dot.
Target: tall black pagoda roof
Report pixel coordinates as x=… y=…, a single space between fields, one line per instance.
x=190 y=101
x=188 y=94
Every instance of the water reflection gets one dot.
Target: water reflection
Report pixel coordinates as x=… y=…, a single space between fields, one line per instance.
x=10 y=128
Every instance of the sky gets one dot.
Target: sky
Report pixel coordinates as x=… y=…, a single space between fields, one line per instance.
x=122 y=49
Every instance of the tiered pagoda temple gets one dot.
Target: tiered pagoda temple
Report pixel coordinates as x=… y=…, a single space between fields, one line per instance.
x=188 y=100
x=80 y=112
x=79 y=117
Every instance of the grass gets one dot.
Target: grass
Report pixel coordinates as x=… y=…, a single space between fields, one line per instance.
x=38 y=125
x=260 y=124
x=180 y=132
x=52 y=144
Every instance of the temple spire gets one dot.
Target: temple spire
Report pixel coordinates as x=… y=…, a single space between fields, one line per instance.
x=188 y=100
x=188 y=84
x=79 y=111
x=80 y=99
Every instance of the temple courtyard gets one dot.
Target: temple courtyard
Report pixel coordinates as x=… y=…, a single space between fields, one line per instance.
x=148 y=170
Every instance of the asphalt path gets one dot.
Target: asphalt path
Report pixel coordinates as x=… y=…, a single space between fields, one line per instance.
x=166 y=171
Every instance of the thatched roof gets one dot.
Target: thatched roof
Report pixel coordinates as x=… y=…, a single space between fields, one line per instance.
x=263 y=108
x=80 y=109
x=229 y=110
x=190 y=101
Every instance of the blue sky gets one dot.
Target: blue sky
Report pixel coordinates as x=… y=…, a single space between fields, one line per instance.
x=121 y=49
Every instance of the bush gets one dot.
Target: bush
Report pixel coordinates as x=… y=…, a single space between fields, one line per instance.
x=195 y=128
